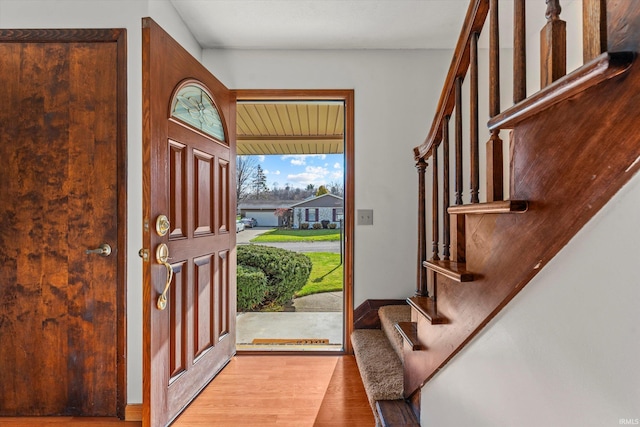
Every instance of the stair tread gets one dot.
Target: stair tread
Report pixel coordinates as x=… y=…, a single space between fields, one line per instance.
x=380 y=368
x=427 y=308
x=499 y=207
x=396 y=413
x=453 y=270
x=390 y=315
x=409 y=332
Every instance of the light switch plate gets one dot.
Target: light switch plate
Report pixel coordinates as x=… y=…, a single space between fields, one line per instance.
x=365 y=216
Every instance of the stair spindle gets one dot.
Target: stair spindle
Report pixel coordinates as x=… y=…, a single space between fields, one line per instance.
x=494 y=59
x=519 y=52
x=421 y=279
x=594 y=28
x=446 y=223
x=473 y=119
x=458 y=94
x=553 y=45
x=494 y=145
x=434 y=204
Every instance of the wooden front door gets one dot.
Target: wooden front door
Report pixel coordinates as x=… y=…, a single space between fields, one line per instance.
x=62 y=193
x=189 y=222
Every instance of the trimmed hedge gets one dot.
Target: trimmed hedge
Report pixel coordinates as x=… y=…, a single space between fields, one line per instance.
x=252 y=287
x=286 y=271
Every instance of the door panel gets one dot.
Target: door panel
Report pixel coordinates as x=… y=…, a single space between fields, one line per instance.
x=62 y=149
x=188 y=158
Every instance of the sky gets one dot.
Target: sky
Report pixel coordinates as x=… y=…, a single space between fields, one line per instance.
x=302 y=170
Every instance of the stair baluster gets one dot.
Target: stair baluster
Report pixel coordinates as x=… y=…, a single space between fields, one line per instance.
x=421 y=279
x=446 y=223
x=594 y=28
x=473 y=119
x=458 y=124
x=494 y=145
x=519 y=52
x=434 y=204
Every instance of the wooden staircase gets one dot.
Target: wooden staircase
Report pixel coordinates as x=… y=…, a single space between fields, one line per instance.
x=572 y=146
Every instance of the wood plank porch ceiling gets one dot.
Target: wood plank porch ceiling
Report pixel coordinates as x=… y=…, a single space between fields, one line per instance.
x=265 y=128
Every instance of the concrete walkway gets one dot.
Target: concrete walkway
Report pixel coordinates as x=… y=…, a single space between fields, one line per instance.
x=317 y=316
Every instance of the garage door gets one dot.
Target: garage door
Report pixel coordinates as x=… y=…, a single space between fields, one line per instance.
x=265 y=219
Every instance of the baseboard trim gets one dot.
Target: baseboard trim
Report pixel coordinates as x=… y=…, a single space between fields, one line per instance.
x=133 y=412
x=366 y=314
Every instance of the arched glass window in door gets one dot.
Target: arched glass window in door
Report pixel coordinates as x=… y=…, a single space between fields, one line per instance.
x=193 y=106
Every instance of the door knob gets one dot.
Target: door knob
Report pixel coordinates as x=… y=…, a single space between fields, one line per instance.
x=103 y=250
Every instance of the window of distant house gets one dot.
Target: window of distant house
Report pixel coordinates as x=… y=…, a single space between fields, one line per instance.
x=193 y=106
x=337 y=214
x=311 y=215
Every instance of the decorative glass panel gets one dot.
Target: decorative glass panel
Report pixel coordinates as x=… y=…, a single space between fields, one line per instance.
x=194 y=106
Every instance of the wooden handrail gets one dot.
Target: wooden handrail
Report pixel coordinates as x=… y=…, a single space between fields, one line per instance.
x=473 y=23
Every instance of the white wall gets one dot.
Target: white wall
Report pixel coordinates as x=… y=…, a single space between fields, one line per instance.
x=564 y=351
x=396 y=93
x=115 y=14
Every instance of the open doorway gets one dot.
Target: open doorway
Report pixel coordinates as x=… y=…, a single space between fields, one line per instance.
x=295 y=207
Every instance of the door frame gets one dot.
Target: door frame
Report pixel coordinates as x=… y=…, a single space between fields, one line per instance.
x=119 y=37
x=347 y=96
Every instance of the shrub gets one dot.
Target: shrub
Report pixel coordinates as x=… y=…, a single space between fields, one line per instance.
x=252 y=288
x=304 y=225
x=317 y=226
x=286 y=271
x=333 y=226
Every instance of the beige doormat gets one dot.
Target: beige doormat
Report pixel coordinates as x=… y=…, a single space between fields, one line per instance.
x=297 y=341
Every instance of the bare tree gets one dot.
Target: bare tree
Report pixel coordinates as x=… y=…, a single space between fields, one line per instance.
x=336 y=188
x=245 y=170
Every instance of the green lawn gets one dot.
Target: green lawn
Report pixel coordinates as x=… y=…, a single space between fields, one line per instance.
x=279 y=235
x=326 y=274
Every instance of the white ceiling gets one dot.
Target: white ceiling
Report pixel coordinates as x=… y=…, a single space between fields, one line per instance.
x=324 y=24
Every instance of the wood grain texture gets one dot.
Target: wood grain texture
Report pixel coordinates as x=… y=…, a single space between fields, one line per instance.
x=320 y=391
x=396 y=413
x=421 y=278
x=607 y=66
x=185 y=345
x=594 y=28
x=446 y=192
x=451 y=269
x=64 y=192
x=474 y=158
x=495 y=168
x=553 y=51
x=283 y=391
x=366 y=314
x=559 y=167
x=409 y=332
x=519 y=51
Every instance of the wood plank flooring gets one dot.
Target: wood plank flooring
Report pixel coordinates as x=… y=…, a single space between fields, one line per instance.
x=312 y=391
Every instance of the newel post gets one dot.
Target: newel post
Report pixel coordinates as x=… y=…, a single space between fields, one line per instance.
x=553 y=45
x=421 y=278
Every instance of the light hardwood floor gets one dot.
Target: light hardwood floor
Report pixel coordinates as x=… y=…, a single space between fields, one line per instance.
x=296 y=391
